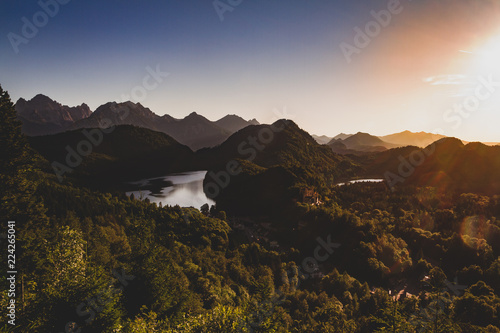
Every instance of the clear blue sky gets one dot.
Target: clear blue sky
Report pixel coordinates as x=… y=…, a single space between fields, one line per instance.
x=266 y=55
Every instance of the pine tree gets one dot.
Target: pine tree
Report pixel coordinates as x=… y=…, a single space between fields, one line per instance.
x=14 y=160
x=18 y=175
x=19 y=179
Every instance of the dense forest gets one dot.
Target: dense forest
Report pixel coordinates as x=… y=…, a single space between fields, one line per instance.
x=358 y=258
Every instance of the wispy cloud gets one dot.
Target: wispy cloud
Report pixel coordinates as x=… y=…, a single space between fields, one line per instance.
x=447 y=79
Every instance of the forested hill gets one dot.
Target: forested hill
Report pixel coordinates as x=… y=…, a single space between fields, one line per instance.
x=277 y=164
x=114 y=155
x=447 y=165
x=280 y=144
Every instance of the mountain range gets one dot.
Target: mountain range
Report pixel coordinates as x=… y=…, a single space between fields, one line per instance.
x=41 y=116
x=360 y=143
x=195 y=131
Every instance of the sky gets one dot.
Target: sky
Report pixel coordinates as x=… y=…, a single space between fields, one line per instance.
x=331 y=66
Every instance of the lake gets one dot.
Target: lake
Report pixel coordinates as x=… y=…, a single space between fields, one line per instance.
x=374 y=180
x=184 y=189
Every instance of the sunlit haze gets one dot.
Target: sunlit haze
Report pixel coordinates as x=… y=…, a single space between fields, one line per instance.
x=421 y=71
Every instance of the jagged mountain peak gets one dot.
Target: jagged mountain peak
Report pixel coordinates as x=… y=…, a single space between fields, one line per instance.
x=131 y=107
x=41 y=97
x=43 y=115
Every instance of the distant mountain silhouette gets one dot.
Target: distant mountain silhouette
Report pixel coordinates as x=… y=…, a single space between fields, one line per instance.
x=364 y=142
x=114 y=114
x=42 y=115
x=322 y=139
x=407 y=138
x=342 y=136
x=361 y=142
x=338 y=147
x=195 y=131
x=233 y=123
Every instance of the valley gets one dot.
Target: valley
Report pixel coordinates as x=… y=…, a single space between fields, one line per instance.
x=357 y=227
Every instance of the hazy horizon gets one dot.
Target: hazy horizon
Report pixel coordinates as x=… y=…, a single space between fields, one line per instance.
x=277 y=113
x=420 y=70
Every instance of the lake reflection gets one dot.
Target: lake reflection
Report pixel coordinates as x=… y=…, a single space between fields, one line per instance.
x=361 y=181
x=183 y=189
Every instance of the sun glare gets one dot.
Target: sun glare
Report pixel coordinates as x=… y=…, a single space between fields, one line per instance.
x=488 y=57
